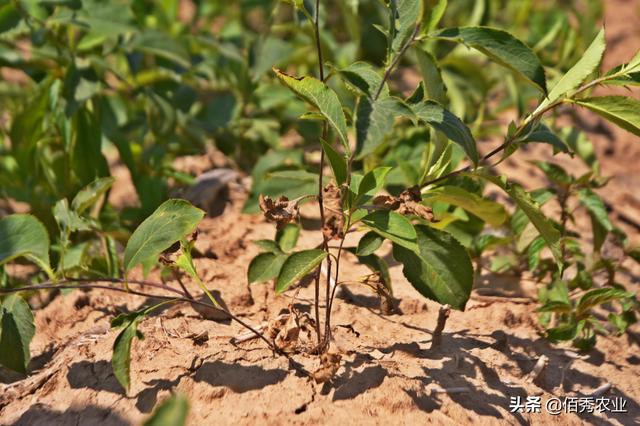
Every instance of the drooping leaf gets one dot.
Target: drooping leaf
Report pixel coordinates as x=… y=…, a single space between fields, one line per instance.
x=440 y=268
x=531 y=209
x=337 y=161
x=172 y=412
x=444 y=121
x=437 y=12
x=392 y=226
x=16 y=331
x=297 y=266
x=322 y=97
x=620 y=110
x=369 y=243
x=121 y=360
x=375 y=120
x=587 y=64
x=375 y=264
x=265 y=267
x=168 y=224
x=22 y=235
x=91 y=193
x=489 y=211
x=501 y=47
x=598 y=213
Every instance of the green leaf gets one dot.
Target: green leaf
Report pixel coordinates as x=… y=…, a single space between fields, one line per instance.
x=440 y=269
x=375 y=263
x=543 y=134
x=90 y=194
x=598 y=214
x=531 y=209
x=444 y=121
x=404 y=19
x=297 y=266
x=16 y=331
x=433 y=83
x=287 y=236
x=501 y=47
x=121 y=360
x=369 y=185
x=265 y=267
x=369 y=243
x=169 y=223
x=337 y=161
x=620 y=110
x=268 y=246
x=22 y=235
x=556 y=306
x=162 y=45
x=9 y=17
x=87 y=159
x=587 y=65
x=491 y=212
x=437 y=12
x=172 y=412
x=362 y=77
x=600 y=296
x=375 y=120
x=322 y=97
x=392 y=226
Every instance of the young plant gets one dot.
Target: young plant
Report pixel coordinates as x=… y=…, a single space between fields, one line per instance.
x=434 y=214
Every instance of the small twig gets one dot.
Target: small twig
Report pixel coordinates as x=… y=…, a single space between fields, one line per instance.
x=537 y=369
x=601 y=390
x=443 y=315
x=462 y=389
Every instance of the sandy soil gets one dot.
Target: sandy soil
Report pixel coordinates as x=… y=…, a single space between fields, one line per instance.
x=390 y=373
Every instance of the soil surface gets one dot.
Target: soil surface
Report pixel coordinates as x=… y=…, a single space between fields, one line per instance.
x=391 y=371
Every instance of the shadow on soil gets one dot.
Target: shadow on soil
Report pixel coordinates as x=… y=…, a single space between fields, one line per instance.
x=40 y=414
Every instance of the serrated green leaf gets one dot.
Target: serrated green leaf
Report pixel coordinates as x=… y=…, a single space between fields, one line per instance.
x=168 y=224
x=587 y=65
x=16 y=331
x=444 y=121
x=543 y=134
x=440 y=268
x=296 y=266
x=265 y=267
x=172 y=412
x=322 y=97
x=392 y=226
x=489 y=211
x=369 y=243
x=501 y=47
x=601 y=224
x=375 y=120
x=337 y=161
x=91 y=193
x=620 y=110
x=22 y=235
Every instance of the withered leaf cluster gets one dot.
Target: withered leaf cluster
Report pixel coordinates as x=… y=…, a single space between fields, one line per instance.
x=329 y=365
x=280 y=211
x=333 y=227
x=407 y=203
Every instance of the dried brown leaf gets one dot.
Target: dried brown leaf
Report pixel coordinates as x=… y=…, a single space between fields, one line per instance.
x=280 y=211
x=333 y=227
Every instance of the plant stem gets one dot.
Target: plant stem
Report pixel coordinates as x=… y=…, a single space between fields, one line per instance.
x=396 y=60
x=84 y=284
x=316 y=27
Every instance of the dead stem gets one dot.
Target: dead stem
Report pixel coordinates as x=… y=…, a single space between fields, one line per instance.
x=443 y=315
